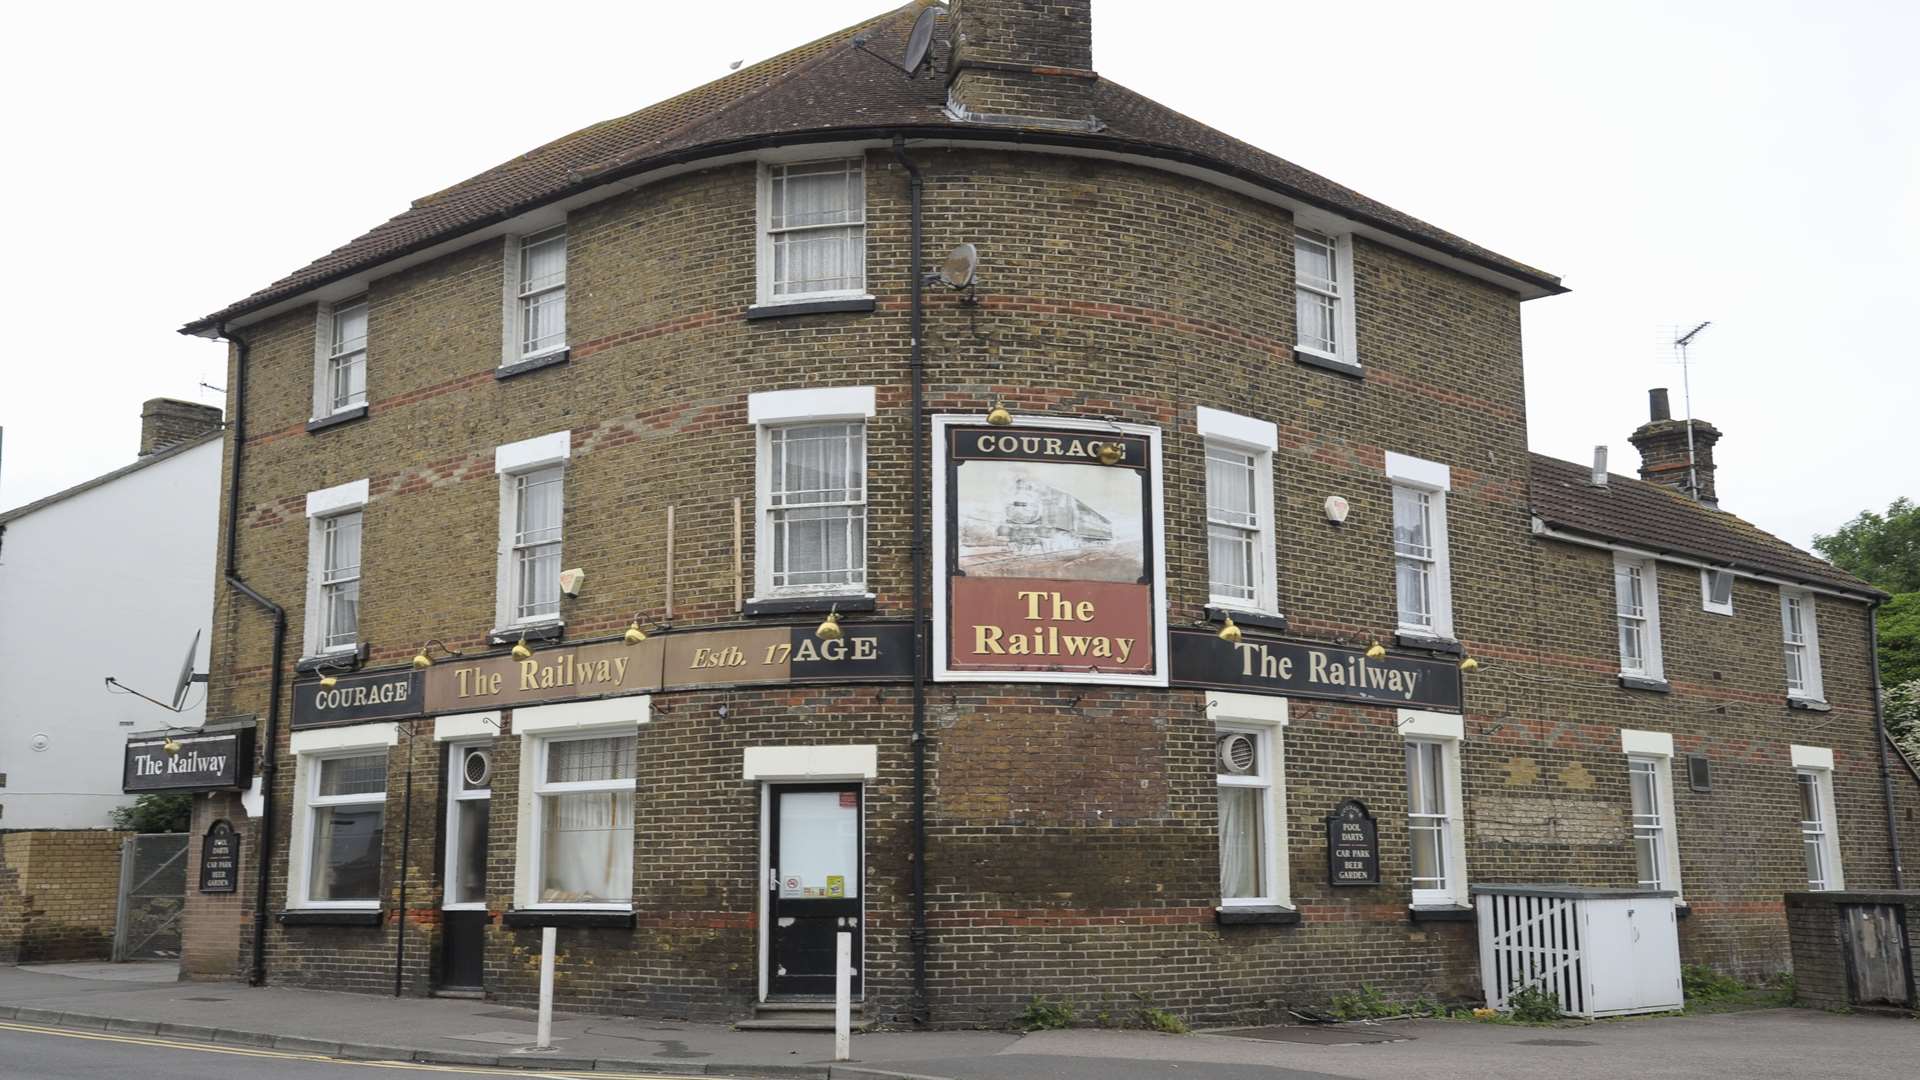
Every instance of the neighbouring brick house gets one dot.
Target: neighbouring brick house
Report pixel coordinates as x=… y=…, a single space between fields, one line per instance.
x=1195 y=393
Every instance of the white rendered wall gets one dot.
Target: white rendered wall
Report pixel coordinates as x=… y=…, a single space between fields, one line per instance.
x=112 y=581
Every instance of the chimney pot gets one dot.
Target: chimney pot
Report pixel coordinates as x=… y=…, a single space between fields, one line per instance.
x=1599 y=466
x=1657 y=407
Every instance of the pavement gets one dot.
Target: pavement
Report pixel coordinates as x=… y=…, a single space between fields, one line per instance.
x=141 y=1001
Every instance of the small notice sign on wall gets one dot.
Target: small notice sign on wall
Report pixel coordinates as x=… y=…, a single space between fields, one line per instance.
x=219 y=859
x=1353 y=846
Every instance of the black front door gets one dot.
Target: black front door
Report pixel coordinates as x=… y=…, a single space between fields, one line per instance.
x=814 y=877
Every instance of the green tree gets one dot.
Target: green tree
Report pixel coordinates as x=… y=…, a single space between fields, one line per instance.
x=155 y=813
x=1881 y=549
x=1900 y=639
x=1903 y=716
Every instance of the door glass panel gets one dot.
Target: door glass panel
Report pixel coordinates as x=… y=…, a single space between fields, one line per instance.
x=819 y=855
x=469 y=884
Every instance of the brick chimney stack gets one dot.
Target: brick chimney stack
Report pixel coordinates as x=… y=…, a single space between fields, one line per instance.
x=1662 y=442
x=1022 y=59
x=168 y=422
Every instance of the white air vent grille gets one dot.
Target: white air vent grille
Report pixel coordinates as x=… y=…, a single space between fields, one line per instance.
x=1237 y=753
x=477 y=768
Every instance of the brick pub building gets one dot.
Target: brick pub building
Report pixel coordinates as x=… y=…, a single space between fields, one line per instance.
x=1192 y=393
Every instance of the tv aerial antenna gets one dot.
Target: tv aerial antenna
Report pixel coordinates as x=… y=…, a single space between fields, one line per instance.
x=1680 y=344
x=181 y=685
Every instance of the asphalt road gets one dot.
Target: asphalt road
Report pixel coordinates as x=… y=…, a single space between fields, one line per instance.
x=30 y=1052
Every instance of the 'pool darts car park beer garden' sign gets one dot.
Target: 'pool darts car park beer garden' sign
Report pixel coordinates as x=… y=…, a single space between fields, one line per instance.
x=1047 y=563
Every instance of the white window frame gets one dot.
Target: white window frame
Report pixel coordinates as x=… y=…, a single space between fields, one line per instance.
x=1265 y=718
x=1707 y=577
x=514 y=296
x=1447 y=731
x=764 y=232
x=309 y=748
x=1341 y=293
x=1811 y=688
x=327 y=351
x=1653 y=751
x=1256 y=439
x=510 y=463
x=322 y=506
x=792 y=408
x=1815 y=764
x=536 y=726
x=1434 y=480
x=457 y=796
x=1627 y=569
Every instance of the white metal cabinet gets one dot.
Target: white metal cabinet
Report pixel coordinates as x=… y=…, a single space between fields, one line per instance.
x=1602 y=952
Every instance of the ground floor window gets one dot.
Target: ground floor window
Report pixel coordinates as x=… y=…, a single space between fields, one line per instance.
x=343 y=806
x=1250 y=781
x=583 y=820
x=1437 y=851
x=469 y=802
x=1816 y=829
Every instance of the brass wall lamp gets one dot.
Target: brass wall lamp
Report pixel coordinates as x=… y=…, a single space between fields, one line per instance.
x=422 y=660
x=829 y=628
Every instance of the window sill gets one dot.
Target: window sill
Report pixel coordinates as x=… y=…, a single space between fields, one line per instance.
x=1261 y=915
x=331 y=917
x=1264 y=619
x=1808 y=704
x=1638 y=682
x=534 y=633
x=1447 y=646
x=1439 y=913
x=1324 y=363
x=807 y=605
x=857 y=304
x=338 y=661
x=344 y=416
x=522 y=367
x=567 y=920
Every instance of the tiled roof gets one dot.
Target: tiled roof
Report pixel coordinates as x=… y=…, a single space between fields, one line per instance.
x=1657 y=518
x=846 y=83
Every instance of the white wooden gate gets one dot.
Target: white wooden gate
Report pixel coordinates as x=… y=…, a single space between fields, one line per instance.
x=1532 y=940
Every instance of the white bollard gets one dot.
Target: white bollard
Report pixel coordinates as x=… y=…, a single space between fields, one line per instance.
x=842 y=996
x=544 y=1040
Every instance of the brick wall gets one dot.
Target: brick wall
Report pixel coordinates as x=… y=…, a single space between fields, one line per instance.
x=59 y=891
x=1072 y=830
x=217 y=929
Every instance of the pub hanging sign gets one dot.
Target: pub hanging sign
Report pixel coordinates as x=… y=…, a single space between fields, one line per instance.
x=1047 y=554
x=221 y=762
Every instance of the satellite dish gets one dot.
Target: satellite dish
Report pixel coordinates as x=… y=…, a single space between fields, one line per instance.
x=186 y=674
x=919 y=42
x=957 y=272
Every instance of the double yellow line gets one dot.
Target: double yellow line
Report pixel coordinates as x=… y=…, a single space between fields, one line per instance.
x=287 y=1055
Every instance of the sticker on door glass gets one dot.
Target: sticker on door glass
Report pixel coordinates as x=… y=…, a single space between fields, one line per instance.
x=836 y=885
x=790 y=886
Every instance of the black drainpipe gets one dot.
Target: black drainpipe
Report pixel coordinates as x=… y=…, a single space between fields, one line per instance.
x=270 y=752
x=1881 y=737
x=917 y=937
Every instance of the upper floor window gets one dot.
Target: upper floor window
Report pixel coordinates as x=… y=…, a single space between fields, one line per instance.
x=1422 y=576
x=813 y=230
x=1636 y=600
x=347 y=356
x=532 y=481
x=1240 y=523
x=1800 y=635
x=1716 y=591
x=334 y=524
x=1323 y=292
x=812 y=513
x=543 y=293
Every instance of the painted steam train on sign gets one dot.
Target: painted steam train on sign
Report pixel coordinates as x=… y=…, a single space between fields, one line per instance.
x=1041 y=517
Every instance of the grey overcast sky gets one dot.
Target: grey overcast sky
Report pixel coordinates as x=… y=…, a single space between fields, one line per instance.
x=1752 y=163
